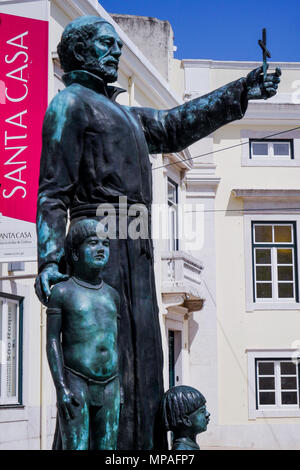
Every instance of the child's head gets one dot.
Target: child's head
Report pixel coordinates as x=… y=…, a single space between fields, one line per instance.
x=83 y=245
x=184 y=407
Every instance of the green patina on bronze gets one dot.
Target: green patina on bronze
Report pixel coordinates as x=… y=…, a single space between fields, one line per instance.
x=183 y=411
x=82 y=345
x=95 y=151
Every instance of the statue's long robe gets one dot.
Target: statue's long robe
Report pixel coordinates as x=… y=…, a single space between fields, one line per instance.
x=95 y=150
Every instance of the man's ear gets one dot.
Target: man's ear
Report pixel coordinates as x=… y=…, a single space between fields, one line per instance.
x=78 y=51
x=75 y=255
x=186 y=421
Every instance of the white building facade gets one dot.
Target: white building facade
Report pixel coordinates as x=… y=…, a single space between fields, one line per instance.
x=255 y=165
x=218 y=334
x=27 y=406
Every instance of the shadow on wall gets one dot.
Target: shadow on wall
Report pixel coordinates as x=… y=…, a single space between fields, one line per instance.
x=193 y=329
x=235 y=206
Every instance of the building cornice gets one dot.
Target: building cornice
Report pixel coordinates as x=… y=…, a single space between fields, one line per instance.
x=182 y=255
x=198 y=185
x=273 y=111
x=235 y=64
x=181 y=160
x=267 y=194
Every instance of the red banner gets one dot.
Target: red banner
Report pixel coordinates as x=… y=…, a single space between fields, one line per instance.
x=23 y=102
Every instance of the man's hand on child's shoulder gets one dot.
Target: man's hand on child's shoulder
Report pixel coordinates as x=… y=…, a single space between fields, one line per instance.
x=57 y=294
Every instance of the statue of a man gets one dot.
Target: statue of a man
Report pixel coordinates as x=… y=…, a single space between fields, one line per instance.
x=94 y=151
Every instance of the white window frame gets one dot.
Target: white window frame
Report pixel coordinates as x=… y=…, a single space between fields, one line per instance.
x=4 y=399
x=269 y=304
x=269 y=411
x=270 y=160
x=270 y=143
x=175 y=322
x=274 y=277
x=177 y=356
x=277 y=376
x=20 y=412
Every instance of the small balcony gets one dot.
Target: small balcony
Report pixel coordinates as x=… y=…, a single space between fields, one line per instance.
x=181 y=281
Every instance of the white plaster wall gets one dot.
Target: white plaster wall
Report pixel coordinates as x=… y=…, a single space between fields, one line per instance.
x=21 y=428
x=177 y=77
x=203 y=324
x=237 y=329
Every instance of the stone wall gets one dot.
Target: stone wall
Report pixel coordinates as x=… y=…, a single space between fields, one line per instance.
x=152 y=36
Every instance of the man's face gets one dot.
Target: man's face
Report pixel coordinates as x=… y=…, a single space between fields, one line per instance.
x=94 y=252
x=102 y=53
x=199 y=419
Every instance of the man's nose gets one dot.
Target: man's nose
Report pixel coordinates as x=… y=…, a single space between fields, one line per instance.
x=116 y=50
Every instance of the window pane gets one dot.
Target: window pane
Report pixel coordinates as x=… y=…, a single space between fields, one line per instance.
x=289 y=398
x=263 y=273
x=285 y=273
x=267 y=398
x=259 y=148
x=263 y=256
x=284 y=256
x=173 y=229
x=289 y=383
x=281 y=148
x=263 y=233
x=172 y=192
x=266 y=368
x=264 y=291
x=267 y=383
x=288 y=368
x=283 y=233
x=11 y=350
x=285 y=290
x=171 y=359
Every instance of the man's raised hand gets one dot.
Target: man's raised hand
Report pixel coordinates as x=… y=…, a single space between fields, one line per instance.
x=258 y=88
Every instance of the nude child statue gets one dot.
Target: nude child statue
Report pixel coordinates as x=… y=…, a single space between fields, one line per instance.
x=82 y=345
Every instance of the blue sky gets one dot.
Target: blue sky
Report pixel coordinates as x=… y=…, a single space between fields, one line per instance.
x=224 y=29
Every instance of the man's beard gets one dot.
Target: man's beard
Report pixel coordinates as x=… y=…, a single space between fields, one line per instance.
x=108 y=73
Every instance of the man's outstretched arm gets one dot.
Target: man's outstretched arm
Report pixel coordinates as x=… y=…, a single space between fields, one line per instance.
x=175 y=129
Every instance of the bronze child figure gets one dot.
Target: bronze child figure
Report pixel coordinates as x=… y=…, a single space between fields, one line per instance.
x=82 y=345
x=184 y=413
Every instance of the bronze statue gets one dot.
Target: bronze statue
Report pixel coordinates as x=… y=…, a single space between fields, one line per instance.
x=82 y=345
x=183 y=411
x=95 y=151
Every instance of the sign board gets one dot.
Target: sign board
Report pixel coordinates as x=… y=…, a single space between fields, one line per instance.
x=23 y=102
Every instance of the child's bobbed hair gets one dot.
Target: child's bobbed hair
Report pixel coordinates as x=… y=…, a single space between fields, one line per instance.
x=78 y=232
x=179 y=402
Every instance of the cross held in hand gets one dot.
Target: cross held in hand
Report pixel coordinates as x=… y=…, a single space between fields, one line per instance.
x=263 y=44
